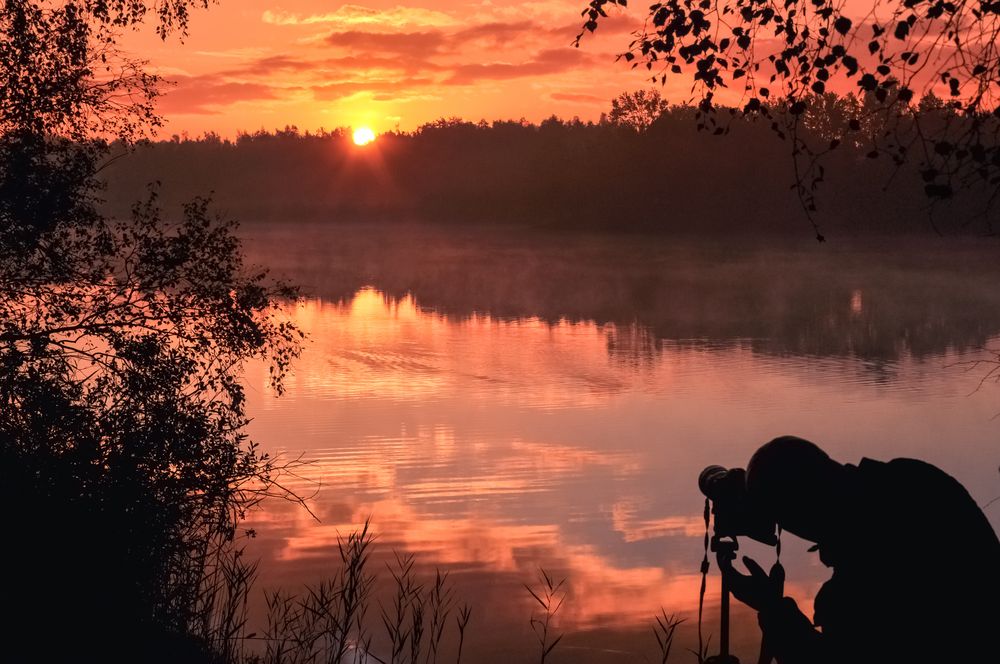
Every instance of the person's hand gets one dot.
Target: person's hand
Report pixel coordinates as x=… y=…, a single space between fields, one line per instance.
x=758 y=590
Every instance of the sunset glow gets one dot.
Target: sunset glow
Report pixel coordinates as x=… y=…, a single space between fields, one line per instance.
x=260 y=64
x=363 y=136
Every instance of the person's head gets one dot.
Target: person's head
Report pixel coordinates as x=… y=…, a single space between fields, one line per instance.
x=798 y=483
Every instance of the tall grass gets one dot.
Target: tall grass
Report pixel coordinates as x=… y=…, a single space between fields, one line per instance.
x=664 y=629
x=328 y=622
x=440 y=601
x=462 y=621
x=549 y=594
x=403 y=620
x=226 y=634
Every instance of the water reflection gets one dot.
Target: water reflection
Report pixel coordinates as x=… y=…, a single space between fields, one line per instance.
x=491 y=445
x=376 y=346
x=880 y=300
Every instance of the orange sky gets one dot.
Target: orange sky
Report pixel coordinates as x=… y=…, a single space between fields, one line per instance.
x=249 y=64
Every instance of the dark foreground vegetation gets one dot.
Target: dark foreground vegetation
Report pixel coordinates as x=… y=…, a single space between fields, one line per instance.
x=124 y=465
x=646 y=171
x=372 y=611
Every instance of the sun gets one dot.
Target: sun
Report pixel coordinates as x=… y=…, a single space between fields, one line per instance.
x=363 y=136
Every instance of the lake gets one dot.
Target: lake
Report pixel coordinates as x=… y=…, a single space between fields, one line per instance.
x=500 y=401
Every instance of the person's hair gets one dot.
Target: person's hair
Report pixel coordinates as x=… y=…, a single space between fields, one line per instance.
x=785 y=467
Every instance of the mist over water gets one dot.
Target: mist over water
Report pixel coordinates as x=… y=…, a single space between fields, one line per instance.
x=502 y=400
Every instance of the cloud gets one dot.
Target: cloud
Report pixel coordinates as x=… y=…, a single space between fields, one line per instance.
x=497 y=32
x=404 y=97
x=578 y=98
x=397 y=53
x=552 y=61
x=384 y=89
x=204 y=95
x=399 y=43
x=440 y=41
x=372 y=63
x=351 y=16
x=425 y=51
x=396 y=69
x=233 y=53
x=320 y=69
x=276 y=63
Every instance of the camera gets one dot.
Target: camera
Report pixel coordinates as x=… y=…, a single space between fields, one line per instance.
x=735 y=513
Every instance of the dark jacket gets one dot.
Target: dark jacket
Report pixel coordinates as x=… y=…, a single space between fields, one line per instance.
x=916 y=576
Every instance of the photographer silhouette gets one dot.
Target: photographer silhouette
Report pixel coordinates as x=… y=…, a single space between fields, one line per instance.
x=916 y=565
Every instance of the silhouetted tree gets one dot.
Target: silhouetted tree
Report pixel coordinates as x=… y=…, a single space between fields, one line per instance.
x=777 y=61
x=122 y=440
x=637 y=110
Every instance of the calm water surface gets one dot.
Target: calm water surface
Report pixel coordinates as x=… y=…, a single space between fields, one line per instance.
x=498 y=402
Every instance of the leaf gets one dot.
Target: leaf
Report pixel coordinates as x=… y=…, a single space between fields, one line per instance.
x=532 y=592
x=842 y=25
x=553 y=644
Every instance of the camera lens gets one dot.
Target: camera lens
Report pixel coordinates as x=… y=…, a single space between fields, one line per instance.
x=710 y=480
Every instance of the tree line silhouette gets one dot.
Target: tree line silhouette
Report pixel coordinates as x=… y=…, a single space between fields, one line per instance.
x=631 y=171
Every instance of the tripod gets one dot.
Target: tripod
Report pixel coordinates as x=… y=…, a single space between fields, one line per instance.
x=724 y=546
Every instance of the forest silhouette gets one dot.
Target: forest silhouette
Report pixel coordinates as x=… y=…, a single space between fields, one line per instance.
x=603 y=175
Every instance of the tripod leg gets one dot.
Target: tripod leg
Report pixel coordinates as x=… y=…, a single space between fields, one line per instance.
x=724 y=621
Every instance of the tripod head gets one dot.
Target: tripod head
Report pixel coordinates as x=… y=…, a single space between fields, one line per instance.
x=725 y=545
